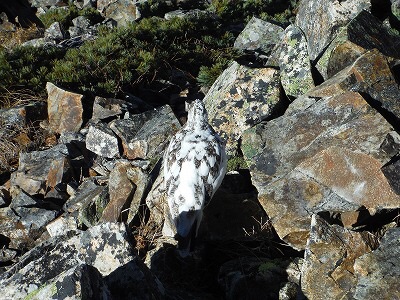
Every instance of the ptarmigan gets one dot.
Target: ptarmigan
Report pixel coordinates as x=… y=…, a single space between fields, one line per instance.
x=194 y=166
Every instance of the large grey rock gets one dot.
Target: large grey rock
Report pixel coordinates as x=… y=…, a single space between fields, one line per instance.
x=329 y=258
x=64 y=109
x=294 y=63
x=104 y=108
x=101 y=140
x=122 y=11
x=150 y=133
x=105 y=247
x=321 y=20
x=55 y=32
x=299 y=168
x=240 y=98
x=41 y=171
x=363 y=33
x=378 y=272
x=370 y=74
x=259 y=36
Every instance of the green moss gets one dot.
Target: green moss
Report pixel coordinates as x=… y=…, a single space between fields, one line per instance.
x=236 y=163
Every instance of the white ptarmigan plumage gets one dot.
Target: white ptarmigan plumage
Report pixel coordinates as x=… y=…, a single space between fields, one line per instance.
x=194 y=166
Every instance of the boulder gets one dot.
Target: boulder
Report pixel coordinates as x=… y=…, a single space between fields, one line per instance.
x=145 y=136
x=64 y=109
x=321 y=21
x=259 y=36
x=240 y=98
x=294 y=63
x=104 y=108
x=365 y=32
x=105 y=247
x=378 y=272
x=370 y=75
x=102 y=141
x=328 y=267
x=122 y=11
x=299 y=168
x=62 y=225
x=39 y=172
x=55 y=32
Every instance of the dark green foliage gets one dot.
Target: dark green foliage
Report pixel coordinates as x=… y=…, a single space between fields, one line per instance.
x=27 y=67
x=207 y=75
x=141 y=52
x=278 y=11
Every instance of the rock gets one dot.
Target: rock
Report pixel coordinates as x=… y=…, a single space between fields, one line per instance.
x=105 y=247
x=64 y=109
x=240 y=98
x=254 y=278
x=101 y=140
x=294 y=63
x=21 y=12
x=392 y=174
x=44 y=3
x=121 y=190
x=148 y=139
x=289 y=291
x=321 y=20
x=190 y=14
x=85 y=3
x=370 y=74
x=259 y=36
x=104 y=108
x=299 y=168
x=122 y=11
x=81 y=27
x=39 y=172
x=7 y=255
x=62 y=225
x=363 y=33
x=142 y=182
x=329 y=258
x=80 y=282
x=20 y=116
x=54 y=32
x=92 y=210
x=87 y=190
x=378 y=272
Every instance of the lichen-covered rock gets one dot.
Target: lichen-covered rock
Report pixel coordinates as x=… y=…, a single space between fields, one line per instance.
x=41 y=171
x=64 y=109
x=54 y=32
x=299 y=168
x=363 y=33
x=101 y=140
x=105 y=247
x=80 y=282
x=122 y=11
x=19 y=116
x=259 y=36
x=294 y=63
x=329 y=258
x=321 y=20
x=378 y=272
x=104 y=108
x=370 y=74
x=152 y=137
x=240 y=98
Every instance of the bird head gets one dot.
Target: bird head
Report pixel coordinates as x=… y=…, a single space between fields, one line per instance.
x=197 y=112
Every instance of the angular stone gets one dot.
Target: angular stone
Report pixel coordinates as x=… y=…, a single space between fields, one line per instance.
x=369 y=74
x=395 y=8
x=363 y=33
x=54 y=32
x=142 y=182
x=259 y=36
x=41 y=171
x=153 y=137
x=392 y=174
x=64 y=109
x=20 y=116
x=329 y=258
x=122 y=11
x=80 y=282
x=121 y=190
x=101 y=140
x=104 y=108
x=92 y=210
x=89 y=189
x=105 y=247
x=294 y=63
x=321 y=20
x=298 y=168
x=62 y=225
x=240 y=98
x=378 y=272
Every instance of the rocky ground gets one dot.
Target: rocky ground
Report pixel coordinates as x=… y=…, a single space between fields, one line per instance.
x=309 y=209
